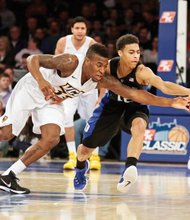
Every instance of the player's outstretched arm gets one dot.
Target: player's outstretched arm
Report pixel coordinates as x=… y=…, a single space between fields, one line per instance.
x=142 y=96
x=65 y=63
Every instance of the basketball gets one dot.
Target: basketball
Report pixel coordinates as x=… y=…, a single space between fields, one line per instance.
x=178 y=134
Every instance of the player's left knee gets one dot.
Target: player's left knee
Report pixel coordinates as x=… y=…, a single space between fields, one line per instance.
x=139 y=127
x=52 y=140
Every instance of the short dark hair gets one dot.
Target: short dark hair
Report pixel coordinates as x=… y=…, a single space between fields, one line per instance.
x=78 y=19
x=98 y=49
x=125 y=40
x=4 y=75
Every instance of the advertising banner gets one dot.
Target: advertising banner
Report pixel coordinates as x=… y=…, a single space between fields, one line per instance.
x=165 y=140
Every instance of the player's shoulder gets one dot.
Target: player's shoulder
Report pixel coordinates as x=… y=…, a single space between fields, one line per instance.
x=91 y=40
x=66 y=58
x=62 y=40
x=142 y=68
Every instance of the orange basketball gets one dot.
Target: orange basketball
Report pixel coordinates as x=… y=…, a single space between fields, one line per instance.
x=178 y=134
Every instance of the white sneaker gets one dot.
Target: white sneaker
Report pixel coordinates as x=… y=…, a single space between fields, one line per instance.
x=128 y=178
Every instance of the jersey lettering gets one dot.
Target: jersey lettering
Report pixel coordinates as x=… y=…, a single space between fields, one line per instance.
x=122 y=99
x=67 y=91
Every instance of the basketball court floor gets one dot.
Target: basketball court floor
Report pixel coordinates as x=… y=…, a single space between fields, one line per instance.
x=161 y=192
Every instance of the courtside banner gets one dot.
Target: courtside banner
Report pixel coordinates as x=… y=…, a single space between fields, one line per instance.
x=167 y=40
x=166 y=140
x=167 y=50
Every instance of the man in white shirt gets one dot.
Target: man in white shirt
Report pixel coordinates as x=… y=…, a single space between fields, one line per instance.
x=78 y=43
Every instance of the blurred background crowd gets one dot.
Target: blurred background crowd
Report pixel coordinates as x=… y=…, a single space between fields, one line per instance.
x=34 y=27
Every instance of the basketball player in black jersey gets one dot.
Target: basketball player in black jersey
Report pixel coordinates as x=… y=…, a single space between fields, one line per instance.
x=115 y=112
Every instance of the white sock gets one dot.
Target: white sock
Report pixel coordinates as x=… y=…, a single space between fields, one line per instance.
x=17 y=168
x=71 y=146
x=96 y=151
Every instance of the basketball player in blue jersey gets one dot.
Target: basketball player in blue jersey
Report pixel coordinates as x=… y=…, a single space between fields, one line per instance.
x=51 y=80
x=115 y=112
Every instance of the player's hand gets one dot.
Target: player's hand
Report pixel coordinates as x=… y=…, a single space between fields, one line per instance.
x=46 y=88
x=181 y=103
x=56 y=100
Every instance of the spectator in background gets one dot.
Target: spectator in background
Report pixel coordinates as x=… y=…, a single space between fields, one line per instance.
x=40 y=35
x=10 y=72
x=16 y=41
x=114 y=19
x=32 y=48
x=150 y=59
x=97 y=29
x=38 y=9
x=150 y=56
x=6 y=55
x=129 y=19
x=111 y=50
x=86 y=12
x=21 y=69
x=63 y=16
x=95 y=13
x=49 y=43
x=97 y=38
x=4 y=145
x=59 y=5
x=144 y=38
x=151 y=22
x=111 y=33
x=7 y=17
x=5 y=91
x=136 y=27
x=30 y=27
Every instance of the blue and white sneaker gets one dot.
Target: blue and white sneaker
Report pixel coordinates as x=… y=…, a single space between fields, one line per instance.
x=80 y=180
x=128 y=178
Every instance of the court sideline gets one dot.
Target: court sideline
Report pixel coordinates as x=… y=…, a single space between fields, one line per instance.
x=162 y=191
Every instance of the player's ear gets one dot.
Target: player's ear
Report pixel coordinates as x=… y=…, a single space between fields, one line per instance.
x=119 y=52
x=72 y=30
x=87 y=59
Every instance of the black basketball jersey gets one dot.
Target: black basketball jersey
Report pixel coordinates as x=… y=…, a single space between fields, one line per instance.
x=129 y=80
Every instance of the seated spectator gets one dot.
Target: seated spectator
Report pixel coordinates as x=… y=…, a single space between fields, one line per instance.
x=111 y=50
x=6 y=55
x=150 y=56
x=144 y=38
x=10 y=72
x=30 y=26
x=40 y=35
x=7 y=17
x=16 y=41
x=32 y=48
x=4 y=145
x=49 y=43
x=5 y=91
x=21 y=69
x=150 y=59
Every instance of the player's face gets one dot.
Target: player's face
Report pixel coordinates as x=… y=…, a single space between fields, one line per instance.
x=130 y=55
x=79 y=30
x=97 y=67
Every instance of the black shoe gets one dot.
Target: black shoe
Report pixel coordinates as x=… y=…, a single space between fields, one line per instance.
x=9 y=183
